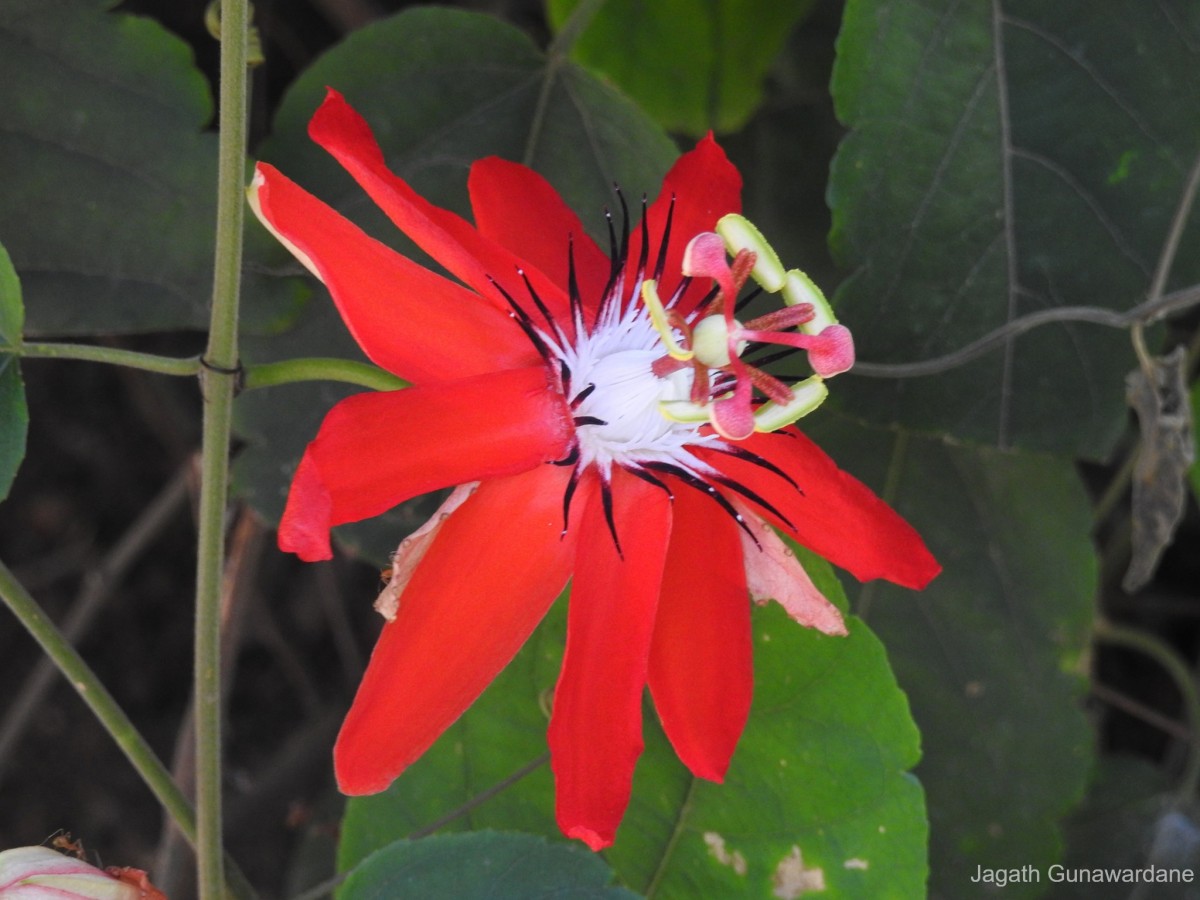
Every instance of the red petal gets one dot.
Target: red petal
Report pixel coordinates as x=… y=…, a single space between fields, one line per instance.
x=596 y=729
x=407 y=319
x=833 y=513
x=701 y=661
x=518 y=209
x=448 y=238
x=493 y=570
x=376 y=450
x=706 y=186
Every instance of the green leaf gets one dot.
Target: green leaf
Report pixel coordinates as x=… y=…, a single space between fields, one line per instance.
x=486 y=866
x=694 y=65
x=108 y=207
x=1007 y=158
x=471 y=87
x=991 y=653
x=14 y=415
x=818 y=791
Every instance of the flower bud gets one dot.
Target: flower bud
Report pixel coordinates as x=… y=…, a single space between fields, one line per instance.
x=39 y=873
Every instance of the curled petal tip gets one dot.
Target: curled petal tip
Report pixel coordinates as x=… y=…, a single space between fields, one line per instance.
x=304 y=528
x=592 y=838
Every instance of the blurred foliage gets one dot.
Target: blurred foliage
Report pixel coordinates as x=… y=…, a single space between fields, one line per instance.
x=694 y=66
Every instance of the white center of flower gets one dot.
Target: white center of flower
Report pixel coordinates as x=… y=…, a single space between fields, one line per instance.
x=621 y=421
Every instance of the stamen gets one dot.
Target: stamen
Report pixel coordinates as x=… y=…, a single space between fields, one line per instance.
x=770 y=385
x=588 y=420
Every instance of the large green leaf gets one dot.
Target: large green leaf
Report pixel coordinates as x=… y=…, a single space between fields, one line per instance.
x=108 y=206
x=441 y=89
x=482 y=866
x=818 y=791
x=14 y=416
x=1005 y=158
x=990 y=653
x=694 y=65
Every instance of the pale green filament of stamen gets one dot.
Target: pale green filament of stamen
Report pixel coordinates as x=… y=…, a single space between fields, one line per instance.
x=801 y=289
x=685 y=411
x=807 y=395
x=739 y=233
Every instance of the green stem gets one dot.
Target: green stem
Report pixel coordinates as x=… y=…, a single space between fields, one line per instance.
x=148 y=362
x=1180 y=674
x=218 y=382
x=260 y=376
x=322 y=369
x=92 y=691
x=99 y=700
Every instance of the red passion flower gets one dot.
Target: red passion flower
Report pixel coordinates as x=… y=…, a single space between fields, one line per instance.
x=593 y=431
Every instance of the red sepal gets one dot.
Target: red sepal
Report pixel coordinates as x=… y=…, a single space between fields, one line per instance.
x=373 y=450
x=595 y=730
x=832 y=513
x=489 y=577
x=701 y=662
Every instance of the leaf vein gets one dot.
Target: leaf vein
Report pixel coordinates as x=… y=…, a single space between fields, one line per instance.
x=1114 y=231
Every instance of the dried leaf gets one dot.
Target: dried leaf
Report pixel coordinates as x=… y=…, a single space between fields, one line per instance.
x=1166 y=451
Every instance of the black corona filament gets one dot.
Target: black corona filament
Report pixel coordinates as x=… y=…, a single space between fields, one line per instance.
x=742 y=303
x=582 y=395
x=522 y=319
x=573 y=295
x=606 y=500
x=699 y=484
x=644 y=252
x=537 y=301
x=661 y=263
x=751 y=457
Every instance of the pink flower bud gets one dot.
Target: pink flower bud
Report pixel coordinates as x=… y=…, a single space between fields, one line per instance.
x=39 y=873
